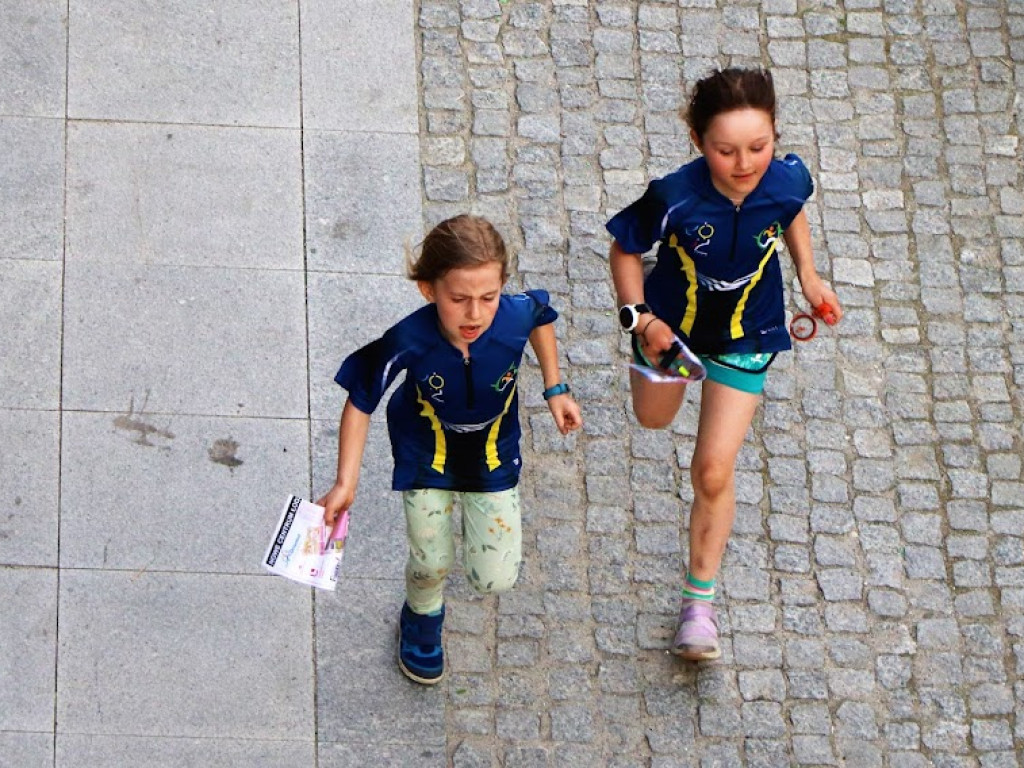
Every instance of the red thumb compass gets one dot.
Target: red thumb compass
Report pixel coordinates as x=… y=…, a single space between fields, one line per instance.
x=804 y=326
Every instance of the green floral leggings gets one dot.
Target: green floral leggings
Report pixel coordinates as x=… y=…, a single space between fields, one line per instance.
x=492 y=542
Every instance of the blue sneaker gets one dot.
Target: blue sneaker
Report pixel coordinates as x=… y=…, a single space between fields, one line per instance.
x=420 y=655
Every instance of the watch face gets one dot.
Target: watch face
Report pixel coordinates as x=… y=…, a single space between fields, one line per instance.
x=627 y=317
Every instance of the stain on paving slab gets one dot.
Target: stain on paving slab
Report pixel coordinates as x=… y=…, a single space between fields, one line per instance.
x=132 y=422
x=223 y=452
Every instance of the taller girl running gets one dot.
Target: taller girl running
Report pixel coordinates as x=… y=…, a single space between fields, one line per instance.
x=718 y=286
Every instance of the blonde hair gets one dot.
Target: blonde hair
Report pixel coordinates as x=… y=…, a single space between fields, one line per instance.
x=455 y=243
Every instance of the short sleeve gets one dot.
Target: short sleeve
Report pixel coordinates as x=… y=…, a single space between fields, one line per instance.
x=797 y=177
x=789 y=187
x=543 y=312
x=637 y=227
x=369 y=371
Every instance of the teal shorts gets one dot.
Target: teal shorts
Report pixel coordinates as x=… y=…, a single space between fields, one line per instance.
x=745 y=371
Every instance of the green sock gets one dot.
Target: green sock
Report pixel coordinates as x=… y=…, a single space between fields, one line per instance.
x=698 y=589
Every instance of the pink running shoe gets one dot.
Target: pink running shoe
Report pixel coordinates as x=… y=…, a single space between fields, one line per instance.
x=697 y=638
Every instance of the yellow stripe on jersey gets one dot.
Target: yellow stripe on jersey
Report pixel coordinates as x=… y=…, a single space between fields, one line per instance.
x=440 y=447
x=492 y=435
x=736 y=325
x=688 y=266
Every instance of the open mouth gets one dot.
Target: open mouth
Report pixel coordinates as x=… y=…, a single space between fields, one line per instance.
x=469 y=331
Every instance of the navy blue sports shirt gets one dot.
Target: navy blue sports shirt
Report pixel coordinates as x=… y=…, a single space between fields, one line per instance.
x=717 y=280
x=454 y=421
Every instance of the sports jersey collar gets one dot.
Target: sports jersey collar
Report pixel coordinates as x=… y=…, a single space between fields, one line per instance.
x=708 y=187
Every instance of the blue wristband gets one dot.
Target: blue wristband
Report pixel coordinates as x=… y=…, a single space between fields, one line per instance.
x=561 y=388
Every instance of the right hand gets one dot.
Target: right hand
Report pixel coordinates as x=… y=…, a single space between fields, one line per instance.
x=336 y=501
x=656 y=338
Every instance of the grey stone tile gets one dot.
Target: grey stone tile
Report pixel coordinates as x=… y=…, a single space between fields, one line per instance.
x=356 y=754
x=363 y=201
x=187 y=195
x=346 y=312
x=184 y=655
x=185 y=61
x=33 y=55
x=360 y=689
x=29 y=485
x=79 y=750
x=354 y=76
x=27 y=750
x=30 y=316
x=134 y=498
x=162 y=339
x=32 y=195
x=378 y=522
x=28 y=637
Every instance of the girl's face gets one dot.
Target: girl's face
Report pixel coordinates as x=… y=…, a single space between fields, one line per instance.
x=739 y=146
x=467 y=300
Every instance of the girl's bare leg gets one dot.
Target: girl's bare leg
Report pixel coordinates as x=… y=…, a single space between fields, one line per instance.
x=725 y=417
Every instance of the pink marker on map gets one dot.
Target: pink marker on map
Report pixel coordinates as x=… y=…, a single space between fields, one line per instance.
x=337 y=538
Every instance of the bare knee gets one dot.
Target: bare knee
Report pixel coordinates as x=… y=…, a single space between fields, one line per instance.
x=711 y=478
x=650 y=418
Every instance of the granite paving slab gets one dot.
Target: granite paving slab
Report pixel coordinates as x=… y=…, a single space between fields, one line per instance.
x=28 y=638
x=176 y=493
x=184 y=655
x=30 y=303
x=359 y=67
x=346 y=312
x=185 y=61
x=164 y=339
x=32 y=195
x=363 y=202
x=184 y=194
x=29 y=487
x=76 y=750
x=33 y=56
x=27 y=750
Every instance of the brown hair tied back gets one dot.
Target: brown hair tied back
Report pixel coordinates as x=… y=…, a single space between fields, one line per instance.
x=459 y=242
x=727 y=90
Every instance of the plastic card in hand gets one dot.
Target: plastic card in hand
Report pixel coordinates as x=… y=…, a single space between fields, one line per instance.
x=676 y=365
x=304 y=548
x=680 y=361
x=657 y=376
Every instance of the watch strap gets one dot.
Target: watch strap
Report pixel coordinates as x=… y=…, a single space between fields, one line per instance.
x=561 y=388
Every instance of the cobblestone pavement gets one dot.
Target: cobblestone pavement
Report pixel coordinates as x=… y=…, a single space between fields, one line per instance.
x=873 y=591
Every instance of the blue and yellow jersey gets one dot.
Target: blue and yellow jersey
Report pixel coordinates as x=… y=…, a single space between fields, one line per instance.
x=454 y=421
x=717 y=279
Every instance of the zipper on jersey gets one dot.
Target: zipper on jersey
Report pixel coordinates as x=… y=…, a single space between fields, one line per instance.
x=735 y=229
x=467 y=365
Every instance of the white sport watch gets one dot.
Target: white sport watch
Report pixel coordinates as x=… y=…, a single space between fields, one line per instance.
x=629 y=315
